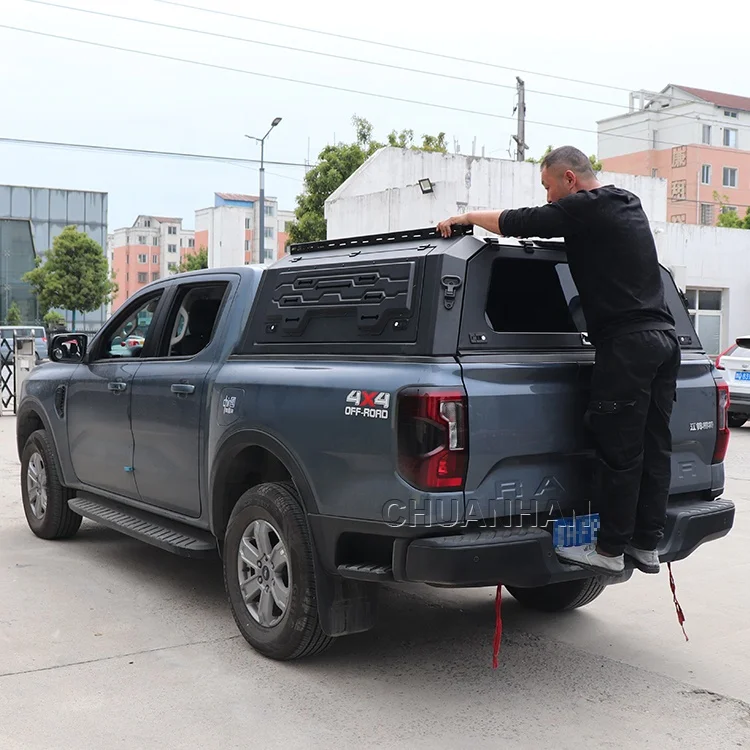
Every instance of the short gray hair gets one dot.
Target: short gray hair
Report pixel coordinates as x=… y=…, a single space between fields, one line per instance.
x=569 y=157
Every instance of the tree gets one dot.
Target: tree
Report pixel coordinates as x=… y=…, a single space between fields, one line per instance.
x=729 y=218
x=335 y=165
x=596 y=165
x=53 y=320
x=13 y=316
x=194 y=261
x=74 y=276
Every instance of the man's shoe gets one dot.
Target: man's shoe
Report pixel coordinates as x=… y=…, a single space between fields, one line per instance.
x=587 y=557
x=647 y=561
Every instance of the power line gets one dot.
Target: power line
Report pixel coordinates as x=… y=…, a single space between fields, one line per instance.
x=147 y=152
x=344 y=58
x=413 y=50
x=387 y=45
x=331 y=87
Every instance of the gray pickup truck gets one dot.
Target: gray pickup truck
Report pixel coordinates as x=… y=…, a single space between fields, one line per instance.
x=393 y=408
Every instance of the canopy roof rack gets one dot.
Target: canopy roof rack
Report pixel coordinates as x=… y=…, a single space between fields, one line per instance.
x=409 y=235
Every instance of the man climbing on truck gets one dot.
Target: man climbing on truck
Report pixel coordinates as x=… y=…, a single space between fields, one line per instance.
x=613 y=260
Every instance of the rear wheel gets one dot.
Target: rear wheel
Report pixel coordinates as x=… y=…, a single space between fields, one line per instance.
x=45 y=499
x=269 y=574
x=737 y=420
x=557 y=597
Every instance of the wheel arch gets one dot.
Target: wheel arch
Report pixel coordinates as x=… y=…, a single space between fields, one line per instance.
x=246 y=459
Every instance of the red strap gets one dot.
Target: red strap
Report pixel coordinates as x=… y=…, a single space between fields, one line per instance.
x=678 y=608
x=498 y=626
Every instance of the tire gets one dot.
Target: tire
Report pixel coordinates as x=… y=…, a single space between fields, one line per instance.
x=273 y=512
x=45 y=499
x=558 y=597
x=737 y=420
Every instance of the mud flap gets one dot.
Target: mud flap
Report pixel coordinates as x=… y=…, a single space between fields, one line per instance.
x=345 y=606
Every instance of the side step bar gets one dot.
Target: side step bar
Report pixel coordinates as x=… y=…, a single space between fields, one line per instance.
x=165 y=533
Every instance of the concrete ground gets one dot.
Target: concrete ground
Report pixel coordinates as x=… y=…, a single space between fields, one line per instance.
x=108 y=643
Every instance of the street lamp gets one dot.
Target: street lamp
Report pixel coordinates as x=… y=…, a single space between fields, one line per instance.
x=262 y=228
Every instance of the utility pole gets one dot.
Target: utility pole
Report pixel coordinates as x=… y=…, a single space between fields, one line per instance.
x=520 y=136
x=262 y=218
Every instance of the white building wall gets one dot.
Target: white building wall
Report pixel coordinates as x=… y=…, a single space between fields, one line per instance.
x=384 y=195
x=702 y=257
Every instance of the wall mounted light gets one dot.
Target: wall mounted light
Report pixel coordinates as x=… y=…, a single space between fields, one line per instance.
x=426 y=186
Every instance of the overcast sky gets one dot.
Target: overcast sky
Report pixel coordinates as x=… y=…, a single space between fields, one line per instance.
x=57 y=90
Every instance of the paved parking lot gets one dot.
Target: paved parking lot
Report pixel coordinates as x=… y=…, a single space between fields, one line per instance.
x=108 y=643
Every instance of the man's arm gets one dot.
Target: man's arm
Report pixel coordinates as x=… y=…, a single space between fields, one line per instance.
x=550 y=220
x=488 y=220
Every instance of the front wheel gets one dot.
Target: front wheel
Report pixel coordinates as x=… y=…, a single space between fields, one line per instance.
x=45 y=499
x=557 y=597
x=269 y=574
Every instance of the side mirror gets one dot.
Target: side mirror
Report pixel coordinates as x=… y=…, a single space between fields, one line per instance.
x=68 y=347
x=744 y=342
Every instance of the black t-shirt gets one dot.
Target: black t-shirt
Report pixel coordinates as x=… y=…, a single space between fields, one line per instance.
x=611 y=254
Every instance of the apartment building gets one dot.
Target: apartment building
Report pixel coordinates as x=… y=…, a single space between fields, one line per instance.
x=150 y=249
x=229 y=230
x=695 y=139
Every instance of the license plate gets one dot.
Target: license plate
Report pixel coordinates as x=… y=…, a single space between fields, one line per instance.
x=576 y=531
x=742 y=375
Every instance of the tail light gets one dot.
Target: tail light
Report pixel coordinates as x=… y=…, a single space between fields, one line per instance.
x=722 y=422
x=432 y=438
x=720 y=366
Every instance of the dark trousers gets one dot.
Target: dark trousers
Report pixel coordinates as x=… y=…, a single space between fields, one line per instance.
x=633 y=390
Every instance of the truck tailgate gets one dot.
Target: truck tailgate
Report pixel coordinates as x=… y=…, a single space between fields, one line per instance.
x=529 y=452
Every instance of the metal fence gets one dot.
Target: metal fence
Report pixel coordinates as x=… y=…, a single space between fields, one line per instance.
x=7 y=376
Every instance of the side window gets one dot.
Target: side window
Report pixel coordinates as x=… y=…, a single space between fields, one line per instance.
x=192 y=320
x=130 y=333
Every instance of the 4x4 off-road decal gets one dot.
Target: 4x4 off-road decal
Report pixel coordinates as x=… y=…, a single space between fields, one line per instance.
x=372 y=404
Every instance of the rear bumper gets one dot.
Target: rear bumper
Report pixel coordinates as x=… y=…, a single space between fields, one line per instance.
x=526 y=557
x=739 y=402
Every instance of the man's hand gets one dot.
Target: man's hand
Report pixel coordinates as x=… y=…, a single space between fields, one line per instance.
x=444 y=227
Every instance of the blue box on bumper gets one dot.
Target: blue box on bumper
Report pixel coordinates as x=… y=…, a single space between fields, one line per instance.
x=525 y=557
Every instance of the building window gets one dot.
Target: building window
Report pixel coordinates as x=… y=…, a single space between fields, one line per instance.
x=141 y=239
x=127 y=260
x=143 y=258
x=730 y=177
x=155 y=276
x=247 y=246
x=172 y=230
x=730 y=137
x=147 y=223
x=142 y=278
x=729 y=209
x=705 y=307
x=706 y=174
x=172 y=266
x=654 y=173
x=707 y=214
x=707 y=134
x=154 y=258
x=247 y=223
x=268 y=231
x=730 y=113
x=156 y=242
x=679 y=189
x=191 y=243
x=268 y=210
x=655 y=139
x=172 y=248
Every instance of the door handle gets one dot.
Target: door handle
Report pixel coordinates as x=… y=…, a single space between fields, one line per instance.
x=117 y=386
x=183 y=388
